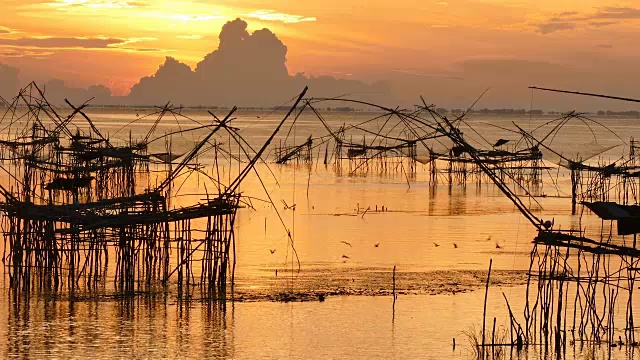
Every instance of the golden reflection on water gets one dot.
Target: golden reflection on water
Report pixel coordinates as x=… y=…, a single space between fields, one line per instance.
x=440 y=238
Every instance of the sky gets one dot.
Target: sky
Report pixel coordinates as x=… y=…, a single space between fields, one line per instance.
x=411 y=43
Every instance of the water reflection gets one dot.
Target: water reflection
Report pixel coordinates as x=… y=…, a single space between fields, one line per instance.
x=340 y=327
x=151 y=326
x=474 y=217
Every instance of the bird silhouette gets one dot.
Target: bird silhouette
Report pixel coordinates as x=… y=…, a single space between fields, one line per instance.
x=376 y=244
x=346 y=243
x=436 y=245
x=455 y=245
x=498 y=246
x=500 y=142
x=272 y=250
x=287 y=206
x=457 y=150
x=489 y=238
x=345 y=257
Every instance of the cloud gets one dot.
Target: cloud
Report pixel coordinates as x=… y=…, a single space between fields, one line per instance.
x=617 y=13
x=7 y=30
x=23 y=53
x=63 y=42
x=190 y=37
x=570 y=20
x=602 y=23
x=94 y=4
x=247 y=69
x=134 y=40
x=552 y=27
x=89 y=43
x=130 y=49
x=186 y=17
x=250 y=65
x=272 y=15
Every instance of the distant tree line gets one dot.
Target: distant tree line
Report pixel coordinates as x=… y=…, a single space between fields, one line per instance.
x=499 y=111
x=619 y=113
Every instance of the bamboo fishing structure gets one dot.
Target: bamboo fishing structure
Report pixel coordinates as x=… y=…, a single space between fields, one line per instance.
x=575 y=281
x=76 y=204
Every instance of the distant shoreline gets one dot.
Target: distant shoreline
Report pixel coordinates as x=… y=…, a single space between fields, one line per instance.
x=443 y=111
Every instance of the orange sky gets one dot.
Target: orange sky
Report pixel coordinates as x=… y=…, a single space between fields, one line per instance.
x=115 y=42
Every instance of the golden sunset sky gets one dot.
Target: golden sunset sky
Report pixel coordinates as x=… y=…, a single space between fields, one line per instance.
x=115 y=42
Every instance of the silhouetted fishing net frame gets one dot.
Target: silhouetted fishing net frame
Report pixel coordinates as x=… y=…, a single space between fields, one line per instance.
x=64 y=216
x=574 y=282
x=392 y=147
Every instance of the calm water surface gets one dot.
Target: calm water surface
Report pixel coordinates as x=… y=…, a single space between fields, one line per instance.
x=436 y=303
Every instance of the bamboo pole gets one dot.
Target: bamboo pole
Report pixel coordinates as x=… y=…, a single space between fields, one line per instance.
x=484 y=312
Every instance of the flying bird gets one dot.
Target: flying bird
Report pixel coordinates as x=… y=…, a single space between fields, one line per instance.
x=287 y=206
x=500 y=142
x=455 y=245
x=345 y=257
x=436 y=245
x=498 y=246
x=346 y=243
x=272 y=250
x=376 y=244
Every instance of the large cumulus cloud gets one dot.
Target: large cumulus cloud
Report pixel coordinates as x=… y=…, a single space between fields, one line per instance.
x=247 y=69
x=174 y=81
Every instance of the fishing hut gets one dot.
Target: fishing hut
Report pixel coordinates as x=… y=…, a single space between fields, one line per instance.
x=299 y=154
x=456 y=167
x=378 y=158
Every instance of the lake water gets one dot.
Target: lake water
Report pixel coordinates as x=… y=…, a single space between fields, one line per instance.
x=440 y=238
